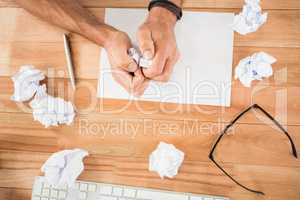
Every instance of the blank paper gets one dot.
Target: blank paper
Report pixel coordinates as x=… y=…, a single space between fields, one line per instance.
x=203 y=73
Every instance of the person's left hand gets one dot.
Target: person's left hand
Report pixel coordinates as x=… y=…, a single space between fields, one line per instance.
x=157 y=41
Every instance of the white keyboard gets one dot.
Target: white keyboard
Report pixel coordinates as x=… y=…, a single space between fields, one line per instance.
x=102 y=191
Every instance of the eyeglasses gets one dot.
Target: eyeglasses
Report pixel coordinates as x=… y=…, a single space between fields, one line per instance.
x=254 y=106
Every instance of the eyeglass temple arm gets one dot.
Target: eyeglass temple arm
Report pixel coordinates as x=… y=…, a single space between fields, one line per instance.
x=294 y=150
x=227 y=127
x=211 y=157
x=229 y=176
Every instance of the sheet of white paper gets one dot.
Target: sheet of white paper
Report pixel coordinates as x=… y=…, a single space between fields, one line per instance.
x=203 y=73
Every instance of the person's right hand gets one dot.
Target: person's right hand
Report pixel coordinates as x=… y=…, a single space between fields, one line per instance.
x=124 y=69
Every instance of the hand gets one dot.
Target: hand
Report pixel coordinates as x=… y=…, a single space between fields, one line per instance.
x=124 y=69
x=157 y=41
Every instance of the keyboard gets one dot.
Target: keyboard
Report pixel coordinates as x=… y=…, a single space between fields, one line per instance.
x=101 y=191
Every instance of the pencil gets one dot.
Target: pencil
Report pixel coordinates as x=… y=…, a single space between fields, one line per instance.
x=69 y=60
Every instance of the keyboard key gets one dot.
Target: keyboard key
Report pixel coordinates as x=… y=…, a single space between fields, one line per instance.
x=60 y=187
x=64 y=187
x=46 y=192
x=82 y=195
x=54 y=193
x=117 y=191
x=156 y=195
x=55 y=187
x=107 y=198
x=83 y=187
x=47 y=185
x=196 y=198
x=92 y=187
x=76 y=186
x=208 y=198
x=36 y=198
x=37 y=189
x=44 y=198
x=105 y=189
x=129 y=193
x=62 y=194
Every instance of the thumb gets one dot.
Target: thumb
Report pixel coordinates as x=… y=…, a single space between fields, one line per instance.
x=119 y=58
x=146 y=43
x=128 y=63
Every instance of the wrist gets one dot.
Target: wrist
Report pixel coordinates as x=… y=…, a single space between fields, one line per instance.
x=161 y=14
x=98 y=33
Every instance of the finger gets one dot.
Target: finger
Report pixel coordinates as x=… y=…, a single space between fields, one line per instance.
x=142 y=87
x=168 y=69
x=157 y=66
x=145 y=42
x=124 y=78
x=118 y=56
x=138 y=79
x=122 y=60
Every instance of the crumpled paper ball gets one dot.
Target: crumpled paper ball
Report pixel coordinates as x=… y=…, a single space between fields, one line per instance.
x=250 y=19
x=51 y=111
x=137 y=56
x=255 y=67
x=64 y=167
x=166 y=160
x=26 y=81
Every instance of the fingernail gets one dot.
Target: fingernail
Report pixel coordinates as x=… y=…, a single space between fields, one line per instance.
x=132 y=67
x=148 y=54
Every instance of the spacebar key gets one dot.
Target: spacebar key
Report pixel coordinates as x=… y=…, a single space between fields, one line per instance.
x=156 y=195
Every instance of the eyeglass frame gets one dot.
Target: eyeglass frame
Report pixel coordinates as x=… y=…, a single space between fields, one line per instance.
x=254 y=106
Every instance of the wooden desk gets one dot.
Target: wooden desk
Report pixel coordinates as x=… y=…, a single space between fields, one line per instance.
x=120 y=142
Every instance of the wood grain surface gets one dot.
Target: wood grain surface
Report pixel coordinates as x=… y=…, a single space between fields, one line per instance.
x=120 y=135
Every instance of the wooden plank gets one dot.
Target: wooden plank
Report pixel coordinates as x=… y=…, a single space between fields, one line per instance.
x=271 y=4
x=83 y=97
x=281 y=29
x=137 y=137
x=19 y=27
x=286 y=69
x=282 y=102
x=8 y=3
x=50 y=58
x=197 y=177
x=15 y=194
